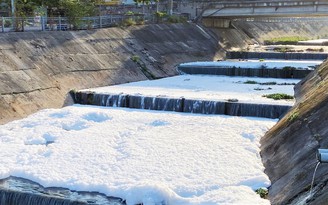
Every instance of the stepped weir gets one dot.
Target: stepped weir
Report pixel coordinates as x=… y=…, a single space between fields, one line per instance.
x=246 y=72
x=180 y=104
x=277 y=55
x=16 y=190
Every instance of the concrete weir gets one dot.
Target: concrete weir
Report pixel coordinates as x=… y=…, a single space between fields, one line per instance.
x=16 y=190
x=180 y=104
x=277 y=55
x=248 y=72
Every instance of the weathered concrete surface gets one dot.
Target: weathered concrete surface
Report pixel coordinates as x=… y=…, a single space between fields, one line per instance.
x=37 y=69
x=288 y=149
x=261 y=31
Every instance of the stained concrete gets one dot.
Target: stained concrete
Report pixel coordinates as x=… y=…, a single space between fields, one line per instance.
x=37 y=69
x=288 y=150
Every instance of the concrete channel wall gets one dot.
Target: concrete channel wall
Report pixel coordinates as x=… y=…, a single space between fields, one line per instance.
x=39 y=68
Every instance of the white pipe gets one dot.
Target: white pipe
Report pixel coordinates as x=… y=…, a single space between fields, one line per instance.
x=322 y=155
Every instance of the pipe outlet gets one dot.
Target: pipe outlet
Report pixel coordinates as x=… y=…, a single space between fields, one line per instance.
x=322 y=155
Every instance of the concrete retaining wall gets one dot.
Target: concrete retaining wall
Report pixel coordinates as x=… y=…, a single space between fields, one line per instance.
x=39 y=68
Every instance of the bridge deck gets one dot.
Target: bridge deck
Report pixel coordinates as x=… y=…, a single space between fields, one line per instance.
x=266 y=8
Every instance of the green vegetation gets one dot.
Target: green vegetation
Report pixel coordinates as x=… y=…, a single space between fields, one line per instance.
x=176 y=19
x=293 y=116
x=250 y=82
x=288 y=68
x=315 y=50
x=279 y=96
x=289 y=40
x=160 y=16
x=269 y=83
x=265 y=83
x=283 y=49
x=72 y=9
x=129 y=22
x=263 y=192
x=75 y=9
x=143 y=67
x=135 y=58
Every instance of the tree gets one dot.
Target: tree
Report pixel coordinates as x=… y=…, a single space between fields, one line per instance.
x=24 y=9
x=75 y=9
x=143 y=4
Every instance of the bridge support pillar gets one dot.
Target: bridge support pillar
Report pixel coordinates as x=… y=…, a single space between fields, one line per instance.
x=216 y=22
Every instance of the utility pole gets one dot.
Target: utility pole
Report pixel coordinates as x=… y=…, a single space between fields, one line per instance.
x=170 y=7
x=13 y=14
x=12 y=8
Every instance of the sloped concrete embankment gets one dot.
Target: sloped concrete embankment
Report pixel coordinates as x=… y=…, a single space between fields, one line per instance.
x=289 y=149
x=37 y=69
x=240 y=34
x=258 y=30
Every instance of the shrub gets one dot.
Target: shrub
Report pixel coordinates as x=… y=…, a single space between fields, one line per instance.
x=7 y=23
x=288 y=68
x=160 y=14
x=250 y=82
x=293 y=116
x=263 y=192
x=176 y=19
x=129 y=22
x=129 y=13
x=269 y=83
x=279 y=96
x=135 y=58
x=283 y=49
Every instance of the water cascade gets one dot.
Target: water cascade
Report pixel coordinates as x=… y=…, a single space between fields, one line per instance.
x=180 y=104
x=248 y=72
x=322 y=157
x=315 y=170
x=15 y=190
x=277 y=55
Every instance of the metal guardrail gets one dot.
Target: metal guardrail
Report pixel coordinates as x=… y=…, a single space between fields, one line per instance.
x=10 y=24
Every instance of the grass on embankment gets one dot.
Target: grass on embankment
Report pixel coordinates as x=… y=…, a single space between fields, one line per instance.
x=288 y=40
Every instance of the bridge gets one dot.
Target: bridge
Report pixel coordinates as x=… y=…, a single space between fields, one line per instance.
x=295 y=8
x=220 y=13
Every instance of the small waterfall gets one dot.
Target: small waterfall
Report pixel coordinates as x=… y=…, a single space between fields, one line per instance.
x=181 y=105
x=19 y=191
x=142 y=103
x=249 y=72
x=315 y=170
x=276 y=55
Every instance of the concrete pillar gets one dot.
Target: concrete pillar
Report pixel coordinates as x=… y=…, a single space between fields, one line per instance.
x=3 y=24
x=216 y=22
